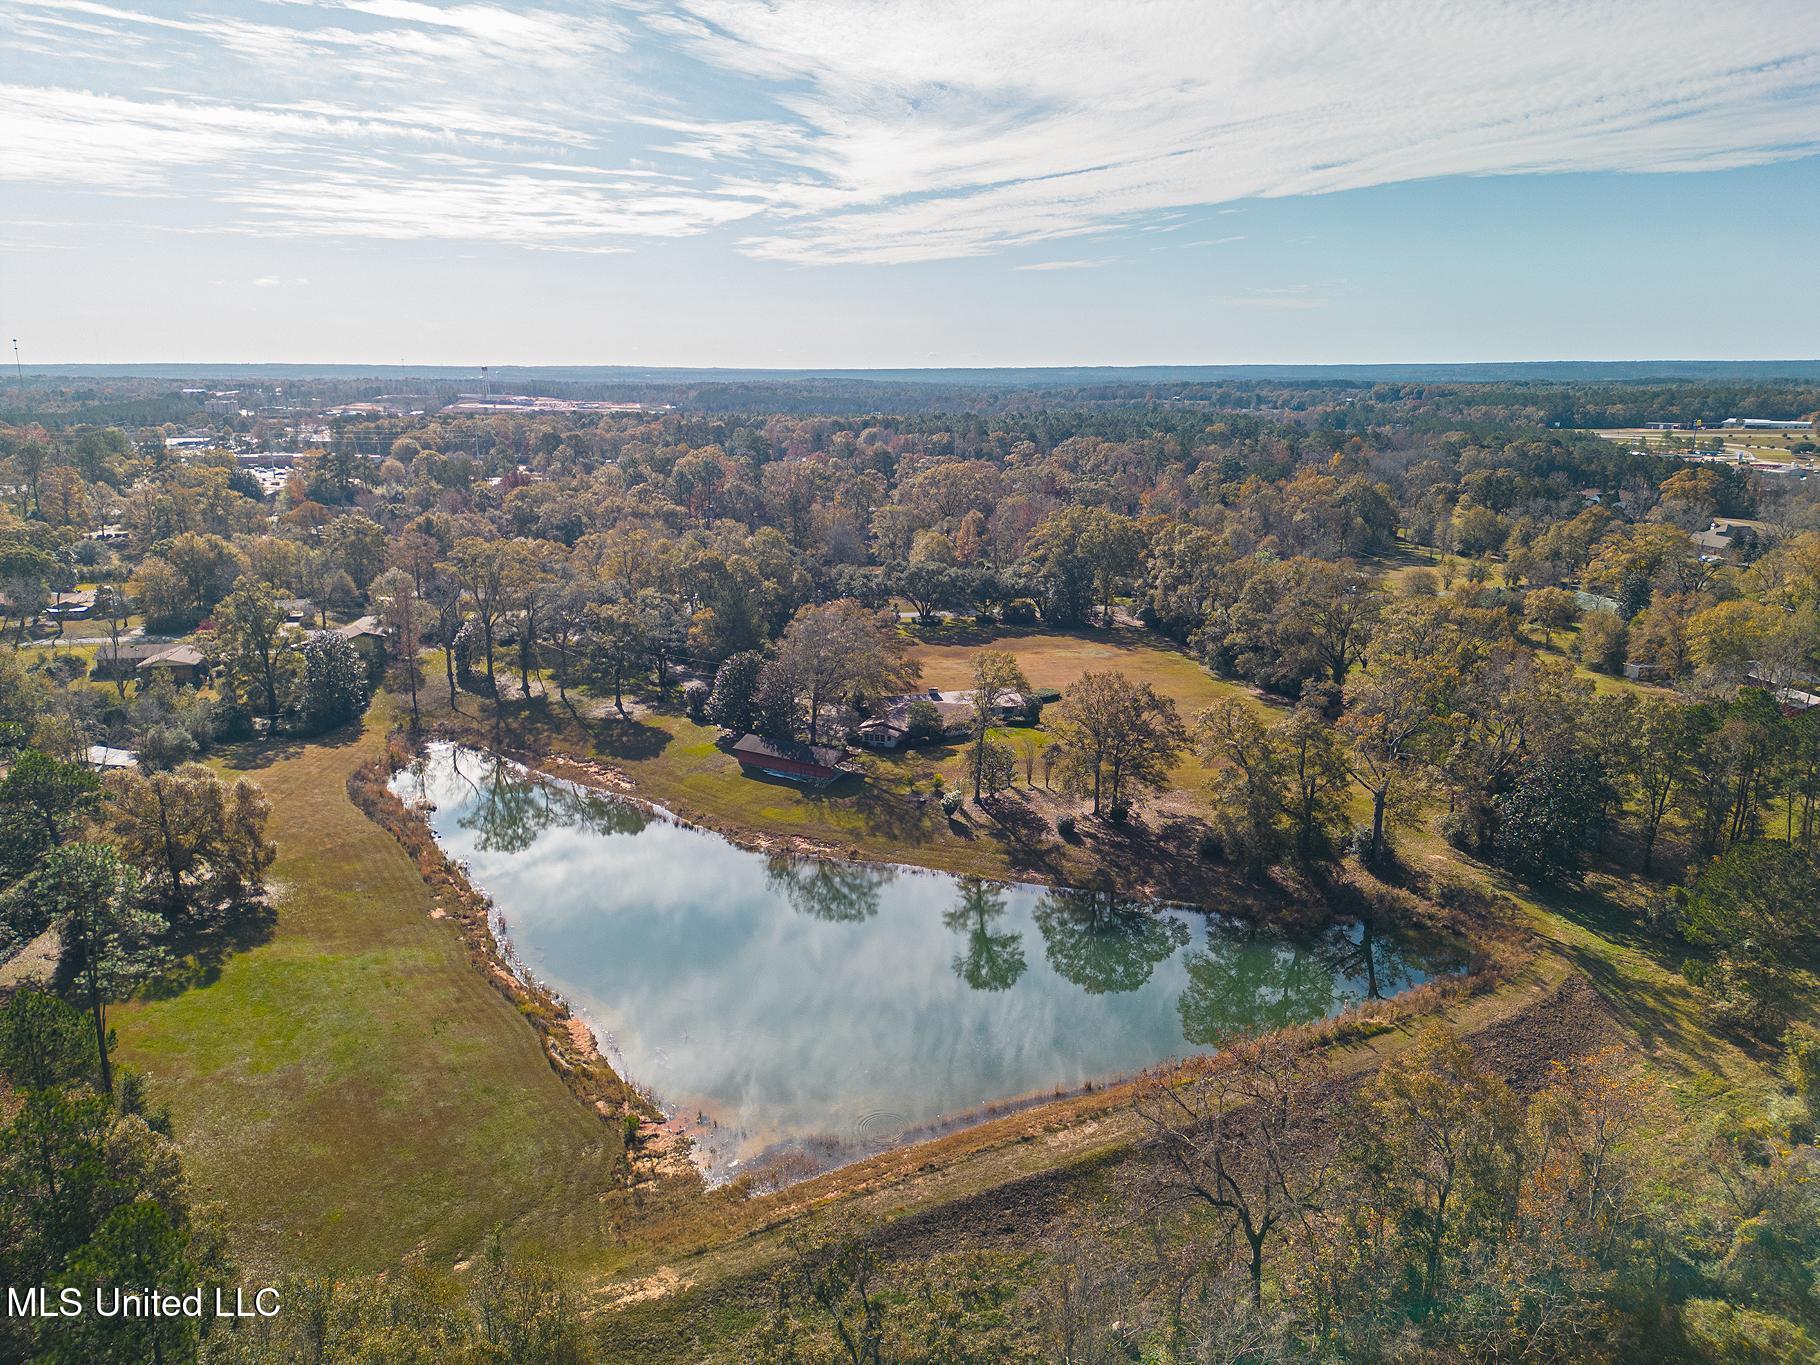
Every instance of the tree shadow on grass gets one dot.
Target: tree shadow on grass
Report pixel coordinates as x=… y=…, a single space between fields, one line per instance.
x=1024 y=835
x=199 y=951
x=1665 y=1016
x=250 y=755
x=541 y=724
x=628 y=740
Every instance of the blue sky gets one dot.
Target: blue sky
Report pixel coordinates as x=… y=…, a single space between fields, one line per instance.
x=870 y=182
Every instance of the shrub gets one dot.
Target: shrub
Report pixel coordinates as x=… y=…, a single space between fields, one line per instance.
x=729 y=703
x=1458 y=829
x=1064 y=826
x=997 y=766
x=334 y=687
x=1019 y=611
x=1801 y=1065
x=1211 y=847
x=922 y=723
x=952 y=802
x=1118 y=812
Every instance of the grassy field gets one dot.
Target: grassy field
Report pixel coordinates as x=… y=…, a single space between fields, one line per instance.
x=1764 y=445
x=1056 y=659
x=353 y=1092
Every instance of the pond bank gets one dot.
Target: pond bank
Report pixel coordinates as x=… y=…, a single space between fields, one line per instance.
x=567 y=1042
x=809 y=1007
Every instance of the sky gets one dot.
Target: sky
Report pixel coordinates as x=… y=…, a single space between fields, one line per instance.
x=856 y=183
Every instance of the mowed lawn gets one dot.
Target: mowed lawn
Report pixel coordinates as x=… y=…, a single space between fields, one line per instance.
x=1054 y=659
x=353 y=1092
x=893 y=812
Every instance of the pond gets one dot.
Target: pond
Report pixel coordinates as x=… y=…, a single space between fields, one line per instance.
x=801 y=1011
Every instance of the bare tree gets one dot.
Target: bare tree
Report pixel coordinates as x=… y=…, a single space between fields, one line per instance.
x=396 y=591
x=1239 y=1140
x=996 y=676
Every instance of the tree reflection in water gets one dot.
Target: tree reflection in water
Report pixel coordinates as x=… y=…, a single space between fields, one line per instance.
x=992 y=962
x=1382 y=965
x=1245 y=982
x=515 y=807
x=840 y=893
x=1103 y=943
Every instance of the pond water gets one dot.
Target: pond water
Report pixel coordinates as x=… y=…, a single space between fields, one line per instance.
x=816 y=1010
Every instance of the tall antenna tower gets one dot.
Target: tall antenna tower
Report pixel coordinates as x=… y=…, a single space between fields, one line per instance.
x=18 y=369
x=483 y=383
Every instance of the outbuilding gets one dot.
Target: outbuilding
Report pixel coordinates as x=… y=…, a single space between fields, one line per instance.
x=797 y=762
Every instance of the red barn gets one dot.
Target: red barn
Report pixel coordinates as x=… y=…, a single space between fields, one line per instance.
x=798 y=762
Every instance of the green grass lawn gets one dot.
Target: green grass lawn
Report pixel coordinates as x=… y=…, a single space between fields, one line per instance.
x=892 y=813
x=354 y=1092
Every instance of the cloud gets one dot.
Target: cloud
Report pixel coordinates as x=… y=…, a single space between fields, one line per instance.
x=1279 y=296
x=501 y=207
x=1067 y=265
x=870 y=131
x=928 y=142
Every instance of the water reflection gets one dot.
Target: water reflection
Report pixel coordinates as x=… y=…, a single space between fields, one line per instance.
x=837 y=893
x=511 y=808
x=993 y=961
x=1104 y=943
x=795 y=1001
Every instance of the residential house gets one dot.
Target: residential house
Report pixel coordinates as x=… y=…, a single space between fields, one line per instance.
x=111 y=664
x=184 y=665
x=77 y=605
x=888 y=725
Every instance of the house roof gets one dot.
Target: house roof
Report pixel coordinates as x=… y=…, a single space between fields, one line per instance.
x=365 y=627
x=757 y=746
x=175 y=656
x=131 y=653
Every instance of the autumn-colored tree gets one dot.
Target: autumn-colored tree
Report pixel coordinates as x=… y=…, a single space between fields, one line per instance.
x=1118 y=737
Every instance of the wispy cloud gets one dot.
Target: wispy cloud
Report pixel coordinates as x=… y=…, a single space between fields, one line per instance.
x=1279 y=296
x=1067 y=265
x=869 y=130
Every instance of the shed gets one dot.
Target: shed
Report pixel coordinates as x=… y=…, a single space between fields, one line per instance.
x=788 y=759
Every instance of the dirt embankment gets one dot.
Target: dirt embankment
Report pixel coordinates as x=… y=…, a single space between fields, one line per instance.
x=1089 y=1161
